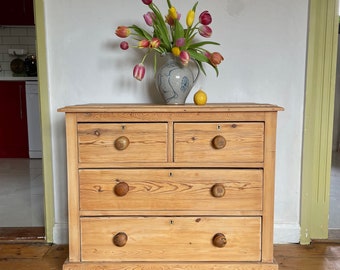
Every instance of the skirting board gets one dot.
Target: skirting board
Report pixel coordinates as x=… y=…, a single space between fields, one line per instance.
x=286 y=233
x=283 y=233
x=60 y=233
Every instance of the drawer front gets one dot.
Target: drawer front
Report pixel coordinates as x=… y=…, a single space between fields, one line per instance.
x=171 y=189
x=219 y=142
x=122 y=142
x=171 y=239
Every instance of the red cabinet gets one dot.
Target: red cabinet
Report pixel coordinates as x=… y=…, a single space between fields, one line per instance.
x=16 y=12
x=13 y=120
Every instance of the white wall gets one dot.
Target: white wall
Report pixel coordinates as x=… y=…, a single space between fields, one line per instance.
x=264 y=46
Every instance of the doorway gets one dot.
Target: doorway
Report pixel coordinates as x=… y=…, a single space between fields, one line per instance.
x=334 y=206
x=22 y=193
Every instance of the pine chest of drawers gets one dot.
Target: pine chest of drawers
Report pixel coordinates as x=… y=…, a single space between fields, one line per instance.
x=171 y=187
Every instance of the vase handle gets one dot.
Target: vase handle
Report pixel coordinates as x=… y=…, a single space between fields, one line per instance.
x=198 y=71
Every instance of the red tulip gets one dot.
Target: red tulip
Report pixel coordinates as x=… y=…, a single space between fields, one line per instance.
x=124 y=45
x=215 y=58
x=143 y=43
x=147 y=2
x=139 y=71
x=123 y=31
x=205 y=31
x=205 y=18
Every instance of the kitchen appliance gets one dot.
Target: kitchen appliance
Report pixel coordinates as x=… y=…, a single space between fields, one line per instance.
x=31 y=65
x=17 y=67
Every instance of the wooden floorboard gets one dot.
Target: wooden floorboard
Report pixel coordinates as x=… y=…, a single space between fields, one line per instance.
x=38 y=256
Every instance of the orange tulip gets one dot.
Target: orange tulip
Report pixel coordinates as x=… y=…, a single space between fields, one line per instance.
x=123 y=31
x=215 y=58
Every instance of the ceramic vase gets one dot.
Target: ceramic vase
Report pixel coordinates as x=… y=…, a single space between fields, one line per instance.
x=174 y=80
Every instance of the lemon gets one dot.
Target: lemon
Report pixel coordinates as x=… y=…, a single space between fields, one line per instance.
x=200 y=97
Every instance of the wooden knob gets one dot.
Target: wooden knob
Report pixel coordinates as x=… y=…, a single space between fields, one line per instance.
x=120 y=239
x=121 y=143
x=121 y=189
x=218 y=190
x=219 y=240
x=219 y=142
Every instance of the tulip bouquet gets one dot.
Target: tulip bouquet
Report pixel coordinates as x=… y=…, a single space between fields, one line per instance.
x=167 y=35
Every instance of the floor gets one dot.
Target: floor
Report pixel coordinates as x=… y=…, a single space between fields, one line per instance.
x=317 y=256
x=21 y=193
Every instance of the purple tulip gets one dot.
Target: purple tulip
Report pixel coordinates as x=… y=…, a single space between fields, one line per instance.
x=180 y=42
x=149 y=17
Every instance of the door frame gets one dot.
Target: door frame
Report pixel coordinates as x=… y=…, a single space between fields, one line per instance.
x=318 y=118
x=39 y=16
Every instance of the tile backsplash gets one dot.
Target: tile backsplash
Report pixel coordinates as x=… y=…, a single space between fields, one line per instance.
x=13 y=37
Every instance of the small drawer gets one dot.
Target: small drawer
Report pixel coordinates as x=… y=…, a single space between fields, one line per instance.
x=171 y=239
x=123 y=143
x=214 y=190
x=219 y=142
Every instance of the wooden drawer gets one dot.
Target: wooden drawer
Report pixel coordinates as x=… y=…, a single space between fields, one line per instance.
x=171 y=239
x=97 y=142
x=203 y=142
x=171 y=189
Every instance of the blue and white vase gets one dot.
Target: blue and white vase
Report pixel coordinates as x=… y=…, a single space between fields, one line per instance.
x=174 y=81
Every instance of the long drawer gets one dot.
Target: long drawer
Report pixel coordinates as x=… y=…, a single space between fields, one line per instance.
x=171 y=239
x=122 y=143
x=219 y=142
x=171 y=189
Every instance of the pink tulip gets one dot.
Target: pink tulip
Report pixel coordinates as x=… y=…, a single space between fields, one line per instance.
x=147 y=2
x=205 y=18
x=205 y=31
x=123 y=31
x=139 y=71
x=184 y=57
x=124 y=45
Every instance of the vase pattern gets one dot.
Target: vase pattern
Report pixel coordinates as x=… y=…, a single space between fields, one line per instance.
x=174 y=81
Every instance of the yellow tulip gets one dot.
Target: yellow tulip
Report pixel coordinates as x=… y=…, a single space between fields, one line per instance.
x=173 y=13
x=190 y=17
x=176 y=51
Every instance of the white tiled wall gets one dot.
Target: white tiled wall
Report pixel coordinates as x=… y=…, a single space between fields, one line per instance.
x=15 y=38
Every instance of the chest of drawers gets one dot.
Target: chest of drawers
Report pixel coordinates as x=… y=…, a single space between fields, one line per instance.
x=171 y=187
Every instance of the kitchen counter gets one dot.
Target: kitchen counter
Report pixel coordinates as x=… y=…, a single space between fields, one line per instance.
x=12 y=78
